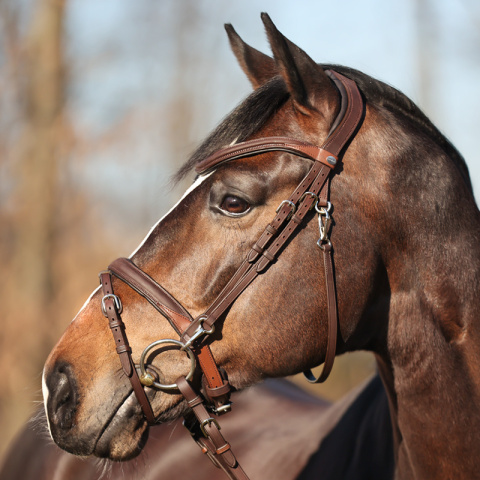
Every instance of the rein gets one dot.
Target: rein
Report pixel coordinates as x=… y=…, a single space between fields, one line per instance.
x=311 y=193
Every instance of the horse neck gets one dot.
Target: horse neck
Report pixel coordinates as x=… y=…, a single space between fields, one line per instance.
x=431 y=364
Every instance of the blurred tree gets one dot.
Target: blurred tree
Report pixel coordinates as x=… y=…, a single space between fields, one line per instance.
x=426 y=30
x=52 y=236
x=35 y=64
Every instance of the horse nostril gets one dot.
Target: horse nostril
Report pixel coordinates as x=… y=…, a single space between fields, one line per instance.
x=63 y=399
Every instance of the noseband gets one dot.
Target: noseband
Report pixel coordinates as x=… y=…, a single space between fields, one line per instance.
x=311 y=193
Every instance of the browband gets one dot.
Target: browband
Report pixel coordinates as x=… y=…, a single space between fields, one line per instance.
x=343 y=128
x=263 y=145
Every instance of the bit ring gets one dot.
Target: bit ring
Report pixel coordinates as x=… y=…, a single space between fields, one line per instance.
x=148 y=380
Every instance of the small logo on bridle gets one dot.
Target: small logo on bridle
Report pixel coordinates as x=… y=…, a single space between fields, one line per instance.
x=331 y=160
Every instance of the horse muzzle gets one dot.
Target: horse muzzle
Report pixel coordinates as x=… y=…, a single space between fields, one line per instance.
x=118 y=431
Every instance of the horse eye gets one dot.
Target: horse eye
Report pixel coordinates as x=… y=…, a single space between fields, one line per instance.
x=234 y=205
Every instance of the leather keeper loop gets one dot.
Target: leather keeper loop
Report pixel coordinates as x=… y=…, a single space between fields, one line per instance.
x=252 y=256
x=124 y=349
x=217 y=391
x=271 y=229
x=223 y=449
x=196 y=401
x=217 y=396
x=115 y=323
x=257 y=248
x=298 y=220
x=269 y=256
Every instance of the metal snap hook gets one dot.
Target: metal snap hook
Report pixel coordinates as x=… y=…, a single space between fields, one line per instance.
x=148 y=380
x=324 y=222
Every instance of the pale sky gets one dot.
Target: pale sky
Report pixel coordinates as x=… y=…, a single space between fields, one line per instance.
x=379 y=37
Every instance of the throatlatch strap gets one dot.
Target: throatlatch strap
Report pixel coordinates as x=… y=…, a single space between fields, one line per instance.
x=332 y=319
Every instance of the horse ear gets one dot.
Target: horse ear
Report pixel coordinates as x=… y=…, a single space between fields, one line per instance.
x=309 y=86
x=258 y=67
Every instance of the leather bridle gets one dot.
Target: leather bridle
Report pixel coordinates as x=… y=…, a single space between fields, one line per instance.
x=311 y=193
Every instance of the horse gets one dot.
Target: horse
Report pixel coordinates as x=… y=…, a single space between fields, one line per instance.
x=283 y=420
x=250 y=298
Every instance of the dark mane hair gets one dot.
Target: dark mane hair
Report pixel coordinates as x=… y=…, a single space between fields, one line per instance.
x=258 y=107
x=244 y=121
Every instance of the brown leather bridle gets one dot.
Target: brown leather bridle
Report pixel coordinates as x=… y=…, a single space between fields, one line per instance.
x=311 y=193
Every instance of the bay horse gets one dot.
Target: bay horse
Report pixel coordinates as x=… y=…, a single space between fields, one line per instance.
x=250 y=298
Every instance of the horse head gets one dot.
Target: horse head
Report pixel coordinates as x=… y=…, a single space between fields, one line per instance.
x=277 y=325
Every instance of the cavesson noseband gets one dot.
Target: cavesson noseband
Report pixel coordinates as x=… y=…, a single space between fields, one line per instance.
x=311 y=193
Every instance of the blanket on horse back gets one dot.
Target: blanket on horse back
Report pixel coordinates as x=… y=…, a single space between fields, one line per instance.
x=279 y=432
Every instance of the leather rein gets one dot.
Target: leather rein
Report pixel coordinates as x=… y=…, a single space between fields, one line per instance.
x=214 y=396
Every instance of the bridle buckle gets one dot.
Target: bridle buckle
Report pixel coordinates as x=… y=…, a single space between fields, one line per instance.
x=314 y=197
x=116 y=300
x=208 y=421
x=292 y=206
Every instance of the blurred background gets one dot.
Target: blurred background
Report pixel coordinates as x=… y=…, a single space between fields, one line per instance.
x=101 y=101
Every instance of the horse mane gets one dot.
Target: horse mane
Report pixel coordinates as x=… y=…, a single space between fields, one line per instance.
x=251 y=114
x=245 y=120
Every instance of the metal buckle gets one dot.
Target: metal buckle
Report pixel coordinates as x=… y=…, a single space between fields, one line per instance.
x=293 y=207
x=117 y=303
x=199 y=332
x=208 y=421
x=313 y=195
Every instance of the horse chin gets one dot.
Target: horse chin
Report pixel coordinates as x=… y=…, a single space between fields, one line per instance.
x=124 y=437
